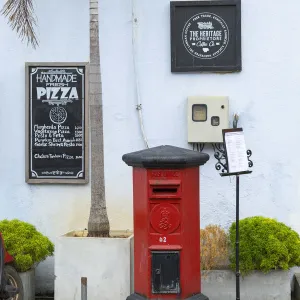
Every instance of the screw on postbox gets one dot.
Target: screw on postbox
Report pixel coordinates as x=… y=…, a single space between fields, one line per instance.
x=166 y=213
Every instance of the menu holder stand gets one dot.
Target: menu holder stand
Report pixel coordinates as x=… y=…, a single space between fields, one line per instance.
x=223 y=164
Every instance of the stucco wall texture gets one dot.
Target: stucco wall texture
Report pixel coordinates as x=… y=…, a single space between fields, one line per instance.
x=265 y=94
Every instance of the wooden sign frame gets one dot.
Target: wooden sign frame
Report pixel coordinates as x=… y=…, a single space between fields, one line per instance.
x=198 y=62
x=82 y=68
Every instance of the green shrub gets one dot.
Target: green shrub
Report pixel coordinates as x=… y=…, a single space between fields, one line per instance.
x=25 y=243
x=265 y=244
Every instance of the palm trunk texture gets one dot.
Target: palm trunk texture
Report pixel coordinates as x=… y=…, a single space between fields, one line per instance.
x=98 y=224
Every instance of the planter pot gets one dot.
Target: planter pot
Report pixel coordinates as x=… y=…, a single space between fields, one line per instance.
x=105 y=262
x=296 y=287
x=28 y=281
x=219 y=284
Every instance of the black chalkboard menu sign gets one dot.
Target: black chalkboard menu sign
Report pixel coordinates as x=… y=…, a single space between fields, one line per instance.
x=206 y=36
x=56 y=123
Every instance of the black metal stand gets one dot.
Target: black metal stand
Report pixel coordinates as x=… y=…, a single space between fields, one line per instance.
x=237 y=237
x=237 y=229
x=222 y=165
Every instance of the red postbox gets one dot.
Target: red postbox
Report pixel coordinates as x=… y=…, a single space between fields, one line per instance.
x=166 y=223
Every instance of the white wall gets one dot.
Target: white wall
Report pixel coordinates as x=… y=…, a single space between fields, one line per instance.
x=63 y=34
x=265 y=94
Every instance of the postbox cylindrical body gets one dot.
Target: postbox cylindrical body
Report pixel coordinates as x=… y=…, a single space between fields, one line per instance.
x=166 y=223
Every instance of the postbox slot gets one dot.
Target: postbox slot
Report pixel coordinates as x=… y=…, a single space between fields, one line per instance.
x=165 y=272
x=164 y=190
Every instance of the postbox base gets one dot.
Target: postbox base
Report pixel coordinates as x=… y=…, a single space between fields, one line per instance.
x=194 y=297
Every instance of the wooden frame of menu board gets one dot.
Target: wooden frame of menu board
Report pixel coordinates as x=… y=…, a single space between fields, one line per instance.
x=206 y=36
x=57 y=122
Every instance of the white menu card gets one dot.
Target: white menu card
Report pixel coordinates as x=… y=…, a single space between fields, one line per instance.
x=236 y=151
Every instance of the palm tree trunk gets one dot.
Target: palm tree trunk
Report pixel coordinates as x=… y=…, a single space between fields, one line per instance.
x=98 y=224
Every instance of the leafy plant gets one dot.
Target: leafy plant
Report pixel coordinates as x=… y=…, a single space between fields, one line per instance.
x=25 y=243
x=214 y=247
x=265 y=244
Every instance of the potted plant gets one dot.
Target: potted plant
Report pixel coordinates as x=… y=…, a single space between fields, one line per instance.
x=268 y=249
x=265 y=245
x=28 y=247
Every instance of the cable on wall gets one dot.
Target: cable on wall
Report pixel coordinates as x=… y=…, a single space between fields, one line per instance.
x=198 y=146
x=138 y=96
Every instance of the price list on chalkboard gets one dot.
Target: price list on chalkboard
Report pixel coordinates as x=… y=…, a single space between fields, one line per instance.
x=56 y=117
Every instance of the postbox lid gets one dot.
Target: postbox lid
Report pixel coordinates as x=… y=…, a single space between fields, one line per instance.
x=165 y=156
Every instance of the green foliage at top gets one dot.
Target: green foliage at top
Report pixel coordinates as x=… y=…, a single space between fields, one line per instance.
x=265 y=244
x=25 y=244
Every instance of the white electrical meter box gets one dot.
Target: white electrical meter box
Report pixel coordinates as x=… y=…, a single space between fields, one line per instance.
x=207 y=116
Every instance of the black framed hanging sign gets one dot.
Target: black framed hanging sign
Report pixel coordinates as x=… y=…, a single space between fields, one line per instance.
x=206 y=36
x=57 y=143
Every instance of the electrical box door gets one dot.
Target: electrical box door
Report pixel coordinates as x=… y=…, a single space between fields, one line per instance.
x=207 y=116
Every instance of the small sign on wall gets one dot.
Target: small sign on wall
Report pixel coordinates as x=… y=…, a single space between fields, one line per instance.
x=57 y=123
x=206 y=36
